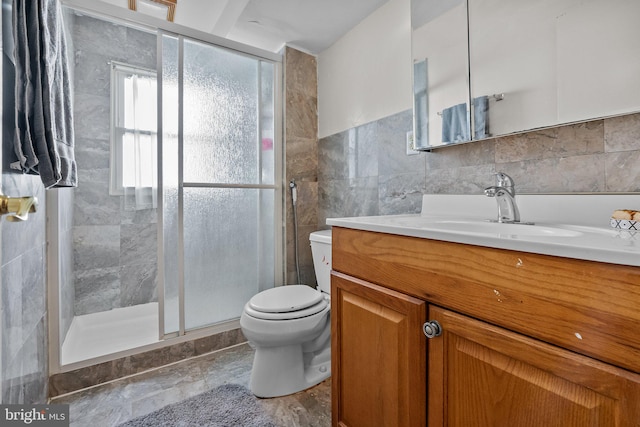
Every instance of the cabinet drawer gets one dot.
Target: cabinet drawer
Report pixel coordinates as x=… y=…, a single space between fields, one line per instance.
x=589 y=307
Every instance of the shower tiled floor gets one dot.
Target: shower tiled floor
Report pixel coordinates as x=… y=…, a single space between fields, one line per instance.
x=119 y=401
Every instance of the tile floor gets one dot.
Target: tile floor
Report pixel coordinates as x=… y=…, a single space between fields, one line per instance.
x=119 y=401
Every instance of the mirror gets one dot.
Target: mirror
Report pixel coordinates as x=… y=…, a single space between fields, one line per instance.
x=531 y=64
x=441 y=76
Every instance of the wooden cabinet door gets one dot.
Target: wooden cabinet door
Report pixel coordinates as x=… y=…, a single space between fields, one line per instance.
x=378 y=356
x=481 y=375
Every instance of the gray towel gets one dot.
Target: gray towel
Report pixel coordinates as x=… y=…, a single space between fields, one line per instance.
x=44 y=141
x=481 y=117
x=455 y=124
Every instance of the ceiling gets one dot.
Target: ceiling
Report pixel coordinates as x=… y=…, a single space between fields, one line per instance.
x=307 y=25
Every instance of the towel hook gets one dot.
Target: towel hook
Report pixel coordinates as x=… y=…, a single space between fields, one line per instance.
x=20 y=206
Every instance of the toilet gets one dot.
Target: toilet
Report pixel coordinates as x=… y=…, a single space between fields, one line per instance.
x=290 y=329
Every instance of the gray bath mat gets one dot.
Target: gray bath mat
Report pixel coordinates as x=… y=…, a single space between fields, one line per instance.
x=228 y=405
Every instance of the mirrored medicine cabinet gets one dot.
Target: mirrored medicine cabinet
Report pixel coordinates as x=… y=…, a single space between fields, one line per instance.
x=485 y=68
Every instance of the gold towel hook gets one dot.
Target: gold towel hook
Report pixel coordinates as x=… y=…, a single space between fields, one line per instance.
x=20 y=206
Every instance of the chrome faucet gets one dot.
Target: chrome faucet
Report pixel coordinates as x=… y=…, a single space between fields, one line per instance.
x=505 y=193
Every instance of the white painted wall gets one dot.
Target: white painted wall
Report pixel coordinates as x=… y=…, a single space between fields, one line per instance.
x=366 y=74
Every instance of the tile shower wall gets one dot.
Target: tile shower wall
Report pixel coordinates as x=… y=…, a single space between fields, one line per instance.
x=24 y=310
x=24 y=368
x=115 y=251
x=365 y=171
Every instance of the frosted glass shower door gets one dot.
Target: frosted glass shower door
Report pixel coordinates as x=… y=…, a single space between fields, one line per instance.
x=224 y=266
x=226 y=182
x=169 y=183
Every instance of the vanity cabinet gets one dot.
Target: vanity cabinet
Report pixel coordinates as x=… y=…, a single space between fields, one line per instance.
x=482 y=375
x=378 y=368
x=527 y=339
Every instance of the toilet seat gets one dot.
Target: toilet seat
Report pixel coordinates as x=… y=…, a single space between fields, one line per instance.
x=286 y=302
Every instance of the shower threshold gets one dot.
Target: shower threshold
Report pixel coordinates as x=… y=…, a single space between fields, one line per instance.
x=98 y=334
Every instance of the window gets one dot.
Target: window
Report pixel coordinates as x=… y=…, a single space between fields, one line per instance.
x=133 y=133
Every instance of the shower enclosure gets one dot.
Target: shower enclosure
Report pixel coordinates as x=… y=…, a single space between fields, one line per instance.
x=176 y=220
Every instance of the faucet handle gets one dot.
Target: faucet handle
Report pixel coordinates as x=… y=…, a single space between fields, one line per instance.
x=503 y=180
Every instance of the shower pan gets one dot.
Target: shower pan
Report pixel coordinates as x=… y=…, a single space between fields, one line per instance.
x=176 y=221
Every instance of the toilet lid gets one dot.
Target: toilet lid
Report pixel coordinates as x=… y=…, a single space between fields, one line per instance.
x=320 y=307
x=285 y=299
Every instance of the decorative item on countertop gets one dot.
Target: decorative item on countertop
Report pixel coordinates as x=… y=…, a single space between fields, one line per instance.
x=626 y=219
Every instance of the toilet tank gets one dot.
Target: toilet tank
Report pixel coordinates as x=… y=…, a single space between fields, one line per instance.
x=321 y=252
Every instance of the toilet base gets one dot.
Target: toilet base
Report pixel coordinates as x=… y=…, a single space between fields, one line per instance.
x=278 y=371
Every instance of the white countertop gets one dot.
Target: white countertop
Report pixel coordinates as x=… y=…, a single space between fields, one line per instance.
x=572 y=226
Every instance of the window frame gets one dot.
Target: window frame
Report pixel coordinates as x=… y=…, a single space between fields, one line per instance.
x=119 y=71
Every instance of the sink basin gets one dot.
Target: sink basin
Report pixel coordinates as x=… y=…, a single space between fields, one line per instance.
x=486 y=227
x=577 y=226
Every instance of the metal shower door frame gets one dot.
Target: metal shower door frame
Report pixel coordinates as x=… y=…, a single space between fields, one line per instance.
x=276 y=186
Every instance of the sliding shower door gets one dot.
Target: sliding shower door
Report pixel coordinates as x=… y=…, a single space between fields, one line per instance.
x=218 y=182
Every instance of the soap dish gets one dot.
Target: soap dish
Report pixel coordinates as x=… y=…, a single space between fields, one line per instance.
x=625 y=224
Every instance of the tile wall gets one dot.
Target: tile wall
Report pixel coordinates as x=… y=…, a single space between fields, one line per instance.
x=301 y=153
x=597 y=156
x=24 y=309
x=24 y=366
x=365 y=171
x=115 y=251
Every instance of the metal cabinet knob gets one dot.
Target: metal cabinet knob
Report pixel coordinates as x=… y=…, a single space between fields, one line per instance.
x=432 y=329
